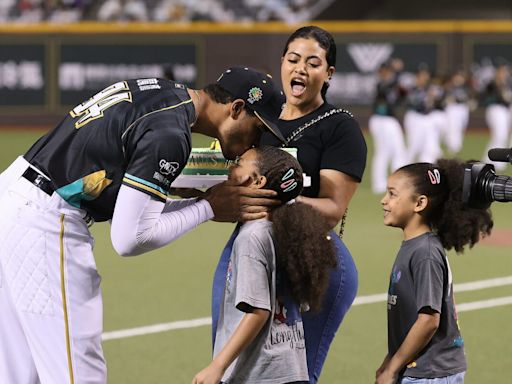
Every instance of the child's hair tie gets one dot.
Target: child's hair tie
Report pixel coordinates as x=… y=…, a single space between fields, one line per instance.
x=288 y=182
x=434 y=176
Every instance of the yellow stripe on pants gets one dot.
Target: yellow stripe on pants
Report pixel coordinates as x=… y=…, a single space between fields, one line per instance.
x=64 y=299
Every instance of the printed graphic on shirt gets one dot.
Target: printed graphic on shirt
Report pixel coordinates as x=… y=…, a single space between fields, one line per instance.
x=229 y=276
x=87 y=188
x=95 y=107
x=287 y=325
x=148 y=84
x=394 y=279
x=281 y=333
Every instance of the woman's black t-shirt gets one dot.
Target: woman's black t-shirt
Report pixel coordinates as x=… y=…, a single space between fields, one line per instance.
x=334 y=142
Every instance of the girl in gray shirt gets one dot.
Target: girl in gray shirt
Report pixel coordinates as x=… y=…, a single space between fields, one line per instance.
x=424 y=341
x=278 y=268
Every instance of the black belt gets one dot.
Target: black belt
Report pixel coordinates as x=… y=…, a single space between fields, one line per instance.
x=39 y=181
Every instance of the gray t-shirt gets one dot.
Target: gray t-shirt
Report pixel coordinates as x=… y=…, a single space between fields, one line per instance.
x=277 y=355
x=421 y=277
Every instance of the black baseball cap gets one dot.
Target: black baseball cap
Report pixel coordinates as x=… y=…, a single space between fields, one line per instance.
x=259 y=93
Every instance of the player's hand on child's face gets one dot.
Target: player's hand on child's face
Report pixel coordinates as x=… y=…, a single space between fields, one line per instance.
x=209 y=375
x=233 y=201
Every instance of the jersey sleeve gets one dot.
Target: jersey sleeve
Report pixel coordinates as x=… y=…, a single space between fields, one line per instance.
x=253 y=274
x=429 y=283
x=157 y=155
x=345 y=149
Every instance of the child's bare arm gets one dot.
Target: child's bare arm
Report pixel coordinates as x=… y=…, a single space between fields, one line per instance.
x=418 y=337
x=249 y=327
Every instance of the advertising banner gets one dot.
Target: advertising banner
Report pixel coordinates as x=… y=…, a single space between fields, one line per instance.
x=354 y=82
x=22 y=75
x=86 y=68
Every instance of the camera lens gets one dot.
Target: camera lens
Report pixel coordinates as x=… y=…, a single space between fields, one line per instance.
x=501 y=188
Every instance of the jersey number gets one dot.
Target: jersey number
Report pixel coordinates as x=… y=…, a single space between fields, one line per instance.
x=93 y=108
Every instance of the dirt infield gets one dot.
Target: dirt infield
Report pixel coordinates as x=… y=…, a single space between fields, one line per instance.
x=501 y=237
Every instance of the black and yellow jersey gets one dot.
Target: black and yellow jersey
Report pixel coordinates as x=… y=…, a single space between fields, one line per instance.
x=134 y=132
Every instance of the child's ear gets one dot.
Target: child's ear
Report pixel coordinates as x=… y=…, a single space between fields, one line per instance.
x=421 y=203
x=260 y=181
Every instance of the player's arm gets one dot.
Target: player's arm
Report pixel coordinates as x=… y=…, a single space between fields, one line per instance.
x=336 y=191
x=177 y=204
x=139 y=223
x=418 y=337
x=250 y=325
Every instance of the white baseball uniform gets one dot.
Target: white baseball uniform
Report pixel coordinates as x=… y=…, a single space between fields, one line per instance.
x=122 y=148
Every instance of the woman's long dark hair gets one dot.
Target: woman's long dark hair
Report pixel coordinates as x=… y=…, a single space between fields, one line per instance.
x=324 y=39
x=304 y=250
x=456 y=224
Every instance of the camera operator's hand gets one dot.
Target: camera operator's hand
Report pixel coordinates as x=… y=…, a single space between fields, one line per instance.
x=232 y=201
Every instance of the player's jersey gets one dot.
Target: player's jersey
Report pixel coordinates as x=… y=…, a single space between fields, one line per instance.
x=458 y=94
x=418 y=100
x=497 y=94
x=386 y=98
x=134 y=132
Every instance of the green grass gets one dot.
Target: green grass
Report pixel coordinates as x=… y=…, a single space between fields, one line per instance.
x=174 y=284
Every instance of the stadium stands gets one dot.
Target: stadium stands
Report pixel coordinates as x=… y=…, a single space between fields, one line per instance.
x=68 y=11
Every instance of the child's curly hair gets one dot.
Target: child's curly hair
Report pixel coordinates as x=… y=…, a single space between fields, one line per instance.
x=304 y=250
x=455 y=223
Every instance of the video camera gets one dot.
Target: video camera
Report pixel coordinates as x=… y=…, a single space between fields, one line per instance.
x=481 y=185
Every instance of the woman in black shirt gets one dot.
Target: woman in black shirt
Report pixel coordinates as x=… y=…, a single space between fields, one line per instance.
x=332 y=152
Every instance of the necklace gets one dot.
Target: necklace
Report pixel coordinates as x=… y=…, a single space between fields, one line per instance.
x=295 y=135
x=198 y=104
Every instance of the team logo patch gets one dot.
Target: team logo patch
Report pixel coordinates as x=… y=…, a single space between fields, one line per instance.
x=255 y=94
x=168 y=167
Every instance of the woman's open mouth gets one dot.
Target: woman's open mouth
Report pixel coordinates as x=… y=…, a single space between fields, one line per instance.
x=298 y=87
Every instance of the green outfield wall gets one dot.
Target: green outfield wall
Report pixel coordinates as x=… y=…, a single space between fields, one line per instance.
x=45 y=68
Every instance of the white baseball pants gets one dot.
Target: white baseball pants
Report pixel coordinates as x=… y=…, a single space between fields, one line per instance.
x=457 y=115
x=422 y=137
x=498 y=120
x=50 y=298
x=390 y=152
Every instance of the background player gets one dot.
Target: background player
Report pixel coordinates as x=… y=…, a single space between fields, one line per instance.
x=458 y=102
x=113 y=157
x=497 y=99
x=421 y=135
x=388 y=138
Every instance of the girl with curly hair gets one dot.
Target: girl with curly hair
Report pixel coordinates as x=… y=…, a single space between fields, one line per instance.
x=279 y=267
x=424 y=340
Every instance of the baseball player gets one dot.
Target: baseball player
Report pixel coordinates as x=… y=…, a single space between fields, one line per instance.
x=388 y=139
x=437 y=116
x=457 y=111
x=421 y=135
x=497 y=99
x=113 y=157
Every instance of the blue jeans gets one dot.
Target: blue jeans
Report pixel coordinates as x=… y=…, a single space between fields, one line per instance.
x=458 y=378
x=319 y=328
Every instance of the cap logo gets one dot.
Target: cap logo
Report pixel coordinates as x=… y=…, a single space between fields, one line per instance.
x=255 y=94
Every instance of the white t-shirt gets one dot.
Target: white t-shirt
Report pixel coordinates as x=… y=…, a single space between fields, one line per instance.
x=278 y=354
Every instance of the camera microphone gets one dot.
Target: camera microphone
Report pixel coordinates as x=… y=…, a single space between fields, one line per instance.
x=500 y=154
